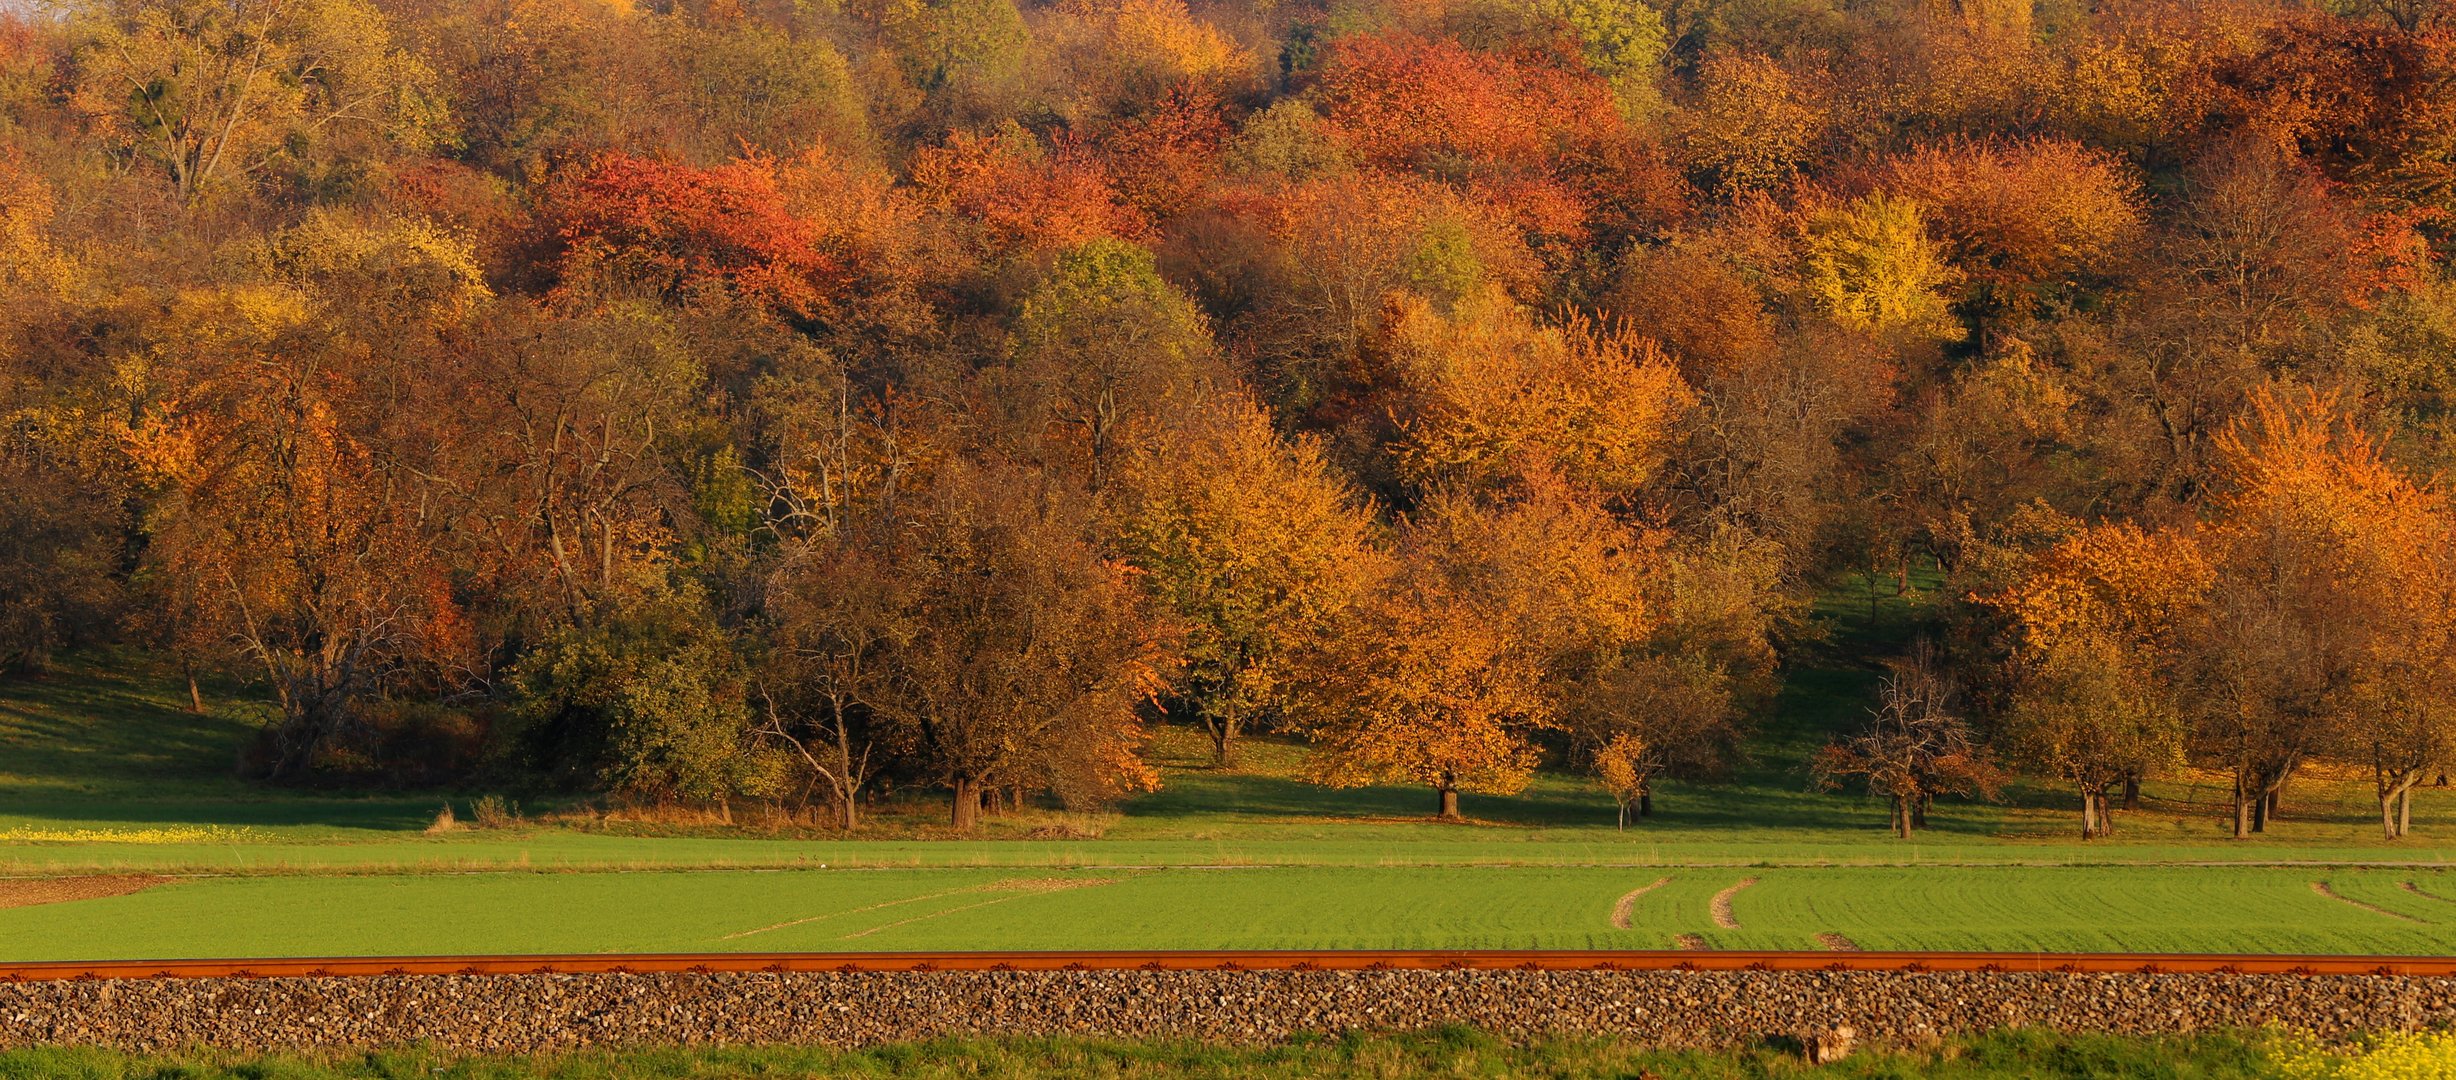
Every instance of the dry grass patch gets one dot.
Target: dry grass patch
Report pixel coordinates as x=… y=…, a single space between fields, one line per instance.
x=27 y=892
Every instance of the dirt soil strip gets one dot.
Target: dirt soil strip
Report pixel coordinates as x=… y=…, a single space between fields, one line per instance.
x=1691 y=943
x=1722 y=905
x=2426 y=894
x=2321 y=887
x=1834 y=942
x=1626 y=909
x=31 y=891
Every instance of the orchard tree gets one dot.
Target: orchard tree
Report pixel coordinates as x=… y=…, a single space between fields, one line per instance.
x=1418 y=689
x=1025 y=656
x=2326 y=619
x=1915 y=746
x=2100 y=620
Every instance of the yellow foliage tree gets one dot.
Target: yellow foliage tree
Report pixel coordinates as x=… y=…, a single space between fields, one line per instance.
x=1871 y=266
x=1489 y=393
x=210 y=90
x=1256 y=566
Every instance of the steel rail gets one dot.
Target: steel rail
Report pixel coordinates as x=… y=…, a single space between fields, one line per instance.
x=1238 y=960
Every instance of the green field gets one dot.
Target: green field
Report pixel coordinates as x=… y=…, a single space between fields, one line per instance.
x=102 y=772
x=2144 y=909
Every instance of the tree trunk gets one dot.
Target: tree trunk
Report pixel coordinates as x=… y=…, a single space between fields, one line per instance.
x=1448 y=789
x=2131 y=791
x=1918 y=810
x=2259 y=811
x=2396 y=800
x=196 y=697
x=1624 y=814
x=967 y=805
x=1902 y=822
x=2242 y=807
x=2089 y=814
x=1645 y=801
x=1223 y=740
x=848 y=813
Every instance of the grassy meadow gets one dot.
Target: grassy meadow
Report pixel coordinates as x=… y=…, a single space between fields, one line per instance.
x=103 y=772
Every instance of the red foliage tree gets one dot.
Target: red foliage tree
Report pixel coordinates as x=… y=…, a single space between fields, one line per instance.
x=1019 y=197
x=681 y=229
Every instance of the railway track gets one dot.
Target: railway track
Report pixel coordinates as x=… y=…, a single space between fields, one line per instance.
x=1334 y=960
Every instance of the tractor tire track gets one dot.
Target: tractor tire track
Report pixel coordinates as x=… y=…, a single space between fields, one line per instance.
x=2321 y=887
x=1723 y=915
x=1625 y=910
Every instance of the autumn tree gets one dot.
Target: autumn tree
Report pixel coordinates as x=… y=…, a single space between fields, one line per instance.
x=220 y=92
x=1027 y=654
x=2026 y=222
x=1545 y=592
x=1016 y=197
x=2324 y=617
x=1258 y=568
x=1916 y=746
x=1418 y=689
x=307 y=549
x=1871 y=266
x=2101 y=618
x=678 y=231
x=1489 y=391
x=1103 y=347
x=1114 y=60
x=1752 y=127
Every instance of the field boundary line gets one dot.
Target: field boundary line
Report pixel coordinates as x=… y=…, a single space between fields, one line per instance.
x=847 y=911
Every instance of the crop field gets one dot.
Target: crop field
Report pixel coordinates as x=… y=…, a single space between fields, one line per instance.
x=1994 y=908
x=123 y=836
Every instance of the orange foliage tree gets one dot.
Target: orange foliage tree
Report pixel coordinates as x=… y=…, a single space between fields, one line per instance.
x=2100 y=620
x=679 y=229
x=2328 y=623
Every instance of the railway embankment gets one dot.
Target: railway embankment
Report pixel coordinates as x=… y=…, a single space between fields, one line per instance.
x=1670 y=1007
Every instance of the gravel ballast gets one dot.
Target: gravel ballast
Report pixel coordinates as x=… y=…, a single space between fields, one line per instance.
x=518 y=1013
